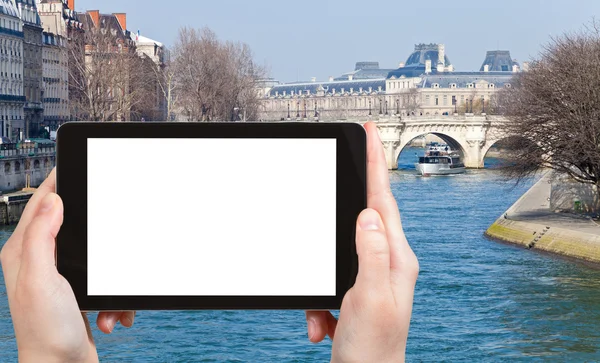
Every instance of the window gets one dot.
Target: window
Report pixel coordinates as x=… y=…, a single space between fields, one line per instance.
x=437 y=101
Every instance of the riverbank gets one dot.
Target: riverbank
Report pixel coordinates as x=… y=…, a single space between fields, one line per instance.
x=531 y=223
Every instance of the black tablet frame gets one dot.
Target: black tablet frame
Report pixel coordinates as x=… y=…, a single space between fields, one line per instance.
x=71 y=177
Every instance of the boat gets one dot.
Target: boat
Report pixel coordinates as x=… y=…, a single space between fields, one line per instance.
x=440 y=159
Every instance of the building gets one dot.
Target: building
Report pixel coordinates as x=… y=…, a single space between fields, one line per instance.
x=55 y=81
x=59 y=17
x=32 y=66
x=61 y=24
x=12 y=99
x=107 y=38
x=163 y=87
x=426 y=84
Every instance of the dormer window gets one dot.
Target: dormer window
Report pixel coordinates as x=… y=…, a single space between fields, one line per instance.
x=435 y=85
x=470 y=85
x=491 y=85
x=507 y=85
x=452 y=85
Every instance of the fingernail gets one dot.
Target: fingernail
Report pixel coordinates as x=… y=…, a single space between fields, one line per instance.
x=312 y=326
x=47 y=203
x=111 y=323
x=369 y=220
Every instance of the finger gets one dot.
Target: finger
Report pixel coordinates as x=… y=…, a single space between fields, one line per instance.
x=127 y=318
x=39 y=238
x=107 y=321
x=331 y=324
x=373 y=251
x=317 y=325
x=380 y=197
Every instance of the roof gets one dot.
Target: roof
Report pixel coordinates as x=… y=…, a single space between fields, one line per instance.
x=498 y=61
x=328 y=87
x=145 y=40
x=462 y=79
x=9 y=7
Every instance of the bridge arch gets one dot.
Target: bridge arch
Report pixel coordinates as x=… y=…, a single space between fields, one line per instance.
x=454 y=141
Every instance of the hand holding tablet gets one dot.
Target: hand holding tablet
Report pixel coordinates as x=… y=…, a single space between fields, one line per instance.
x=380 y=302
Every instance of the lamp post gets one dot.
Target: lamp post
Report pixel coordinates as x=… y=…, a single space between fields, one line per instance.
x=288 y=110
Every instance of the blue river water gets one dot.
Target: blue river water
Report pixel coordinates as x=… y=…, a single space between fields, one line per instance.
x=476 y=300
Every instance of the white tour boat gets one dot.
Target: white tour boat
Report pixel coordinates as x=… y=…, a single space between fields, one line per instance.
x=440 y=159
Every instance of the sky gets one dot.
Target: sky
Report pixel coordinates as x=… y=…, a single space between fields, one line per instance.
x=298 y=40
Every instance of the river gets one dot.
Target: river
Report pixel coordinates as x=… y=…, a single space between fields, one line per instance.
x=476 y=300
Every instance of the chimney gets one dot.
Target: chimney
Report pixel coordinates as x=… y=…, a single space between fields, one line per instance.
x=486 y=68
x=95 y=15
x=71 y=4
x=401 y=65
x=122 y=18
x=428 y=66
x=525 y=66
x=313 y=79
x=350 y=77
x=330 y=78
x=515 y=68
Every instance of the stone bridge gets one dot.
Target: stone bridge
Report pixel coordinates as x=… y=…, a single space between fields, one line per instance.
x=472 y=135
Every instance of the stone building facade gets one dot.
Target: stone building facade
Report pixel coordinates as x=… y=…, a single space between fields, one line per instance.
x=12 y=99
x=32 y=66
x=426 y=84
x=55 y=81
x=160 y=56
x=60 y=20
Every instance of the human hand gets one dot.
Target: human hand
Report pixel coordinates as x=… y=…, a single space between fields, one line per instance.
x=48 y=324
x=375 y=314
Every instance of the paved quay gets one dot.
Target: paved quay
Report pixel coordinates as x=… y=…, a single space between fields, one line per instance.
x=531 y=223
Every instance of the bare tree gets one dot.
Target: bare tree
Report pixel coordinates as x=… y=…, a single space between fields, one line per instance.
x=412 y=101
x=215 y=80
x=554 y=111
x=107 y=78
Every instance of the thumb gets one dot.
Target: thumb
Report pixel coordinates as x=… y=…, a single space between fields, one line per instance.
x=373 y=251
x=39 y=238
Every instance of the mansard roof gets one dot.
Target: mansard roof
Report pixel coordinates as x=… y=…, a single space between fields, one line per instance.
x=328 y=87
x=365 y=70
x=463 y=79
x=9 y=7
x=106 y=21
x=498 y=61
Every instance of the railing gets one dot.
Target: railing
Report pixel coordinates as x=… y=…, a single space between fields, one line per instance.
x=14 y=150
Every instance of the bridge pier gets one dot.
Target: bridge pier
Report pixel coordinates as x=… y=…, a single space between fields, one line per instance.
x=474 y=157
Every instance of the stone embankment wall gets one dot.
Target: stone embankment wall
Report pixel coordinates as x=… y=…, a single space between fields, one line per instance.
x=19 y=166
x=11 y=211
x=564 y=242
x=533 y=222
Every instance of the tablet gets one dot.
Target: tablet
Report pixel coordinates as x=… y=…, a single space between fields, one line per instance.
x=177 y=216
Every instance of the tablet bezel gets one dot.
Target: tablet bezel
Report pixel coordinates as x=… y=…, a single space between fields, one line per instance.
x=71 y=251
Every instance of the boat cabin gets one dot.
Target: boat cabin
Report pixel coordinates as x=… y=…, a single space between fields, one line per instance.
x=452 y=161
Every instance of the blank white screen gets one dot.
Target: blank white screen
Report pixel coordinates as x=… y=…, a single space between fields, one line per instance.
x=203 y=217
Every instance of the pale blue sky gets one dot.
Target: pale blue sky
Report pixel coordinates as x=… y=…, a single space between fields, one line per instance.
x=311 y=38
